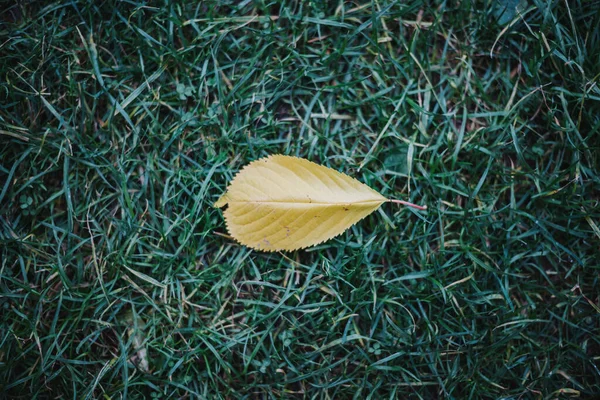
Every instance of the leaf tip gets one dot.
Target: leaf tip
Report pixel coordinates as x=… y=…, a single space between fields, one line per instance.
x=222 y=202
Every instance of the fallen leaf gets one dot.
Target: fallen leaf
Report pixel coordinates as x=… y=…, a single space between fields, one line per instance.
x=288 y=203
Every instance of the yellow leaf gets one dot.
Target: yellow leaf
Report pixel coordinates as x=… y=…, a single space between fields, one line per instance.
x=288 y=203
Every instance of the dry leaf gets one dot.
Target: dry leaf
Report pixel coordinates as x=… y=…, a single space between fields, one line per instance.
x=288 y=203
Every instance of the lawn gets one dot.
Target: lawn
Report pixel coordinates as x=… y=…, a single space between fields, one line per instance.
x=122 y=122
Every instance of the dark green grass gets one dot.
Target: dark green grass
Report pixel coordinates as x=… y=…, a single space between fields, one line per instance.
x=121 y=123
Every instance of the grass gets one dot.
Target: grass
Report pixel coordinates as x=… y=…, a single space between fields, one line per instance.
x=122 y=122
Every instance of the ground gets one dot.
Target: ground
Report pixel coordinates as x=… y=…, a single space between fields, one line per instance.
x=121 y=123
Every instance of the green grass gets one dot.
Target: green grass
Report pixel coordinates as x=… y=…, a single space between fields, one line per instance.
x=122 y=122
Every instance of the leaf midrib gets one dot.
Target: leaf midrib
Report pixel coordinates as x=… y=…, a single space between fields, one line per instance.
x=316 y=203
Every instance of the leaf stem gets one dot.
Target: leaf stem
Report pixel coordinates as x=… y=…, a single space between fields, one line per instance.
x=406 y=203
